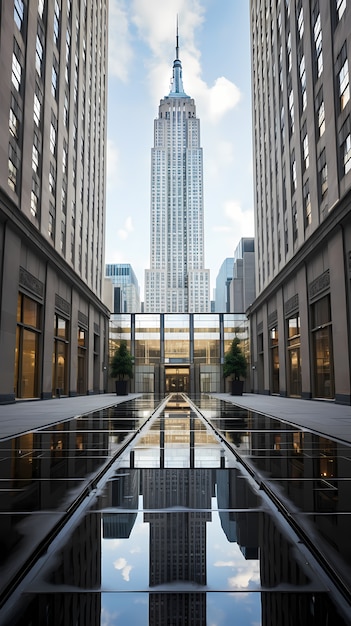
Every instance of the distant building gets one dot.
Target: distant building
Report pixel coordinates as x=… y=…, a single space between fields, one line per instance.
x=53 y=324
x=222 y=291
x=242 y=287
x=177 y=281
x=121 y=289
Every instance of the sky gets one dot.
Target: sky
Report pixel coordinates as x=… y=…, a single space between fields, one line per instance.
x=214 y=48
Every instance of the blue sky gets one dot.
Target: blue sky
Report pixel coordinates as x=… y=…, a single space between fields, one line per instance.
x=214 y=45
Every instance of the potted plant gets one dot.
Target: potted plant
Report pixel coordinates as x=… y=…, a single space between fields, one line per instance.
x=121 y=368
x=235 y=365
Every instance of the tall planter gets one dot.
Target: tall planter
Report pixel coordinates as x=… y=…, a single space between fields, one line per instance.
x=237 y=387
x=121 y=387
x=235 y=365
x=121 y=367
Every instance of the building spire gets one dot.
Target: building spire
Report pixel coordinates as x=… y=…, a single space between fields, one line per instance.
x=177 y=89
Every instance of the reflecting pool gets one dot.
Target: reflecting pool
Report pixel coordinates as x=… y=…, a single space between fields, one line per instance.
x=183 y=511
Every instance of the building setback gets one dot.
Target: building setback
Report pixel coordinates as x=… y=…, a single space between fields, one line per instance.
x=300 y=320
x=177 y=281
x=53 y=325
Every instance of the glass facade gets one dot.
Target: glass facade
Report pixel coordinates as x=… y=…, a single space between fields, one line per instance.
x=178 y=352
x=294 y=358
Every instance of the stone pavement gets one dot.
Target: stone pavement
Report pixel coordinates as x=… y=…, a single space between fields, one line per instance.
x=324 y=417
x=23 y=416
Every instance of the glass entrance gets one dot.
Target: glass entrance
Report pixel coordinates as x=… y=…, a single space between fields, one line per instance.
x=177 y=379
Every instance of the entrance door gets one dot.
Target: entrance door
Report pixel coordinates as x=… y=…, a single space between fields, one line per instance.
x=177 y=379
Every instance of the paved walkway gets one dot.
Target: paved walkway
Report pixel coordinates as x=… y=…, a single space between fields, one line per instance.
x=324 y=417
x=25 y=415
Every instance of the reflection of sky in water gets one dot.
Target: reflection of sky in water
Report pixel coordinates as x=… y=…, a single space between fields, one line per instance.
x=125 y=562
x=227 y=568
x=120 y=609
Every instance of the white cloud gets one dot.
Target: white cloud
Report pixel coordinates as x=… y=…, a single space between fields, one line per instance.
x=240 y=220
x=120 y=48
x=121 y=565
x=123 y=233
x=223 y=97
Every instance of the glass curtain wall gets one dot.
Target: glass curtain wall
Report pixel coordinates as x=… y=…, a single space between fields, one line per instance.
x=207 y=351
x=147 y=351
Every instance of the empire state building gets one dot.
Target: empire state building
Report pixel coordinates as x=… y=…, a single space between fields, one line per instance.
x=177 y=281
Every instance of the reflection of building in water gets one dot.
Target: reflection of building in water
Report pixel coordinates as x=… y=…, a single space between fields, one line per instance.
x=279 y=566
x=234 y=492
x=177 y=540
x=123 y=492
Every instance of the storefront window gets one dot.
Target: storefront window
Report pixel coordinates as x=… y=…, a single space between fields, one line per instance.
x=27 y=347
x=82 y=357
x=294 y=360
x=322 y=349
x=273 y=337
x=59 y=356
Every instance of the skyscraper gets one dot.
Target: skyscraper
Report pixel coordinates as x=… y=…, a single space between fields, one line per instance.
x=300 y=320
x=177 y=281
x=53 y=325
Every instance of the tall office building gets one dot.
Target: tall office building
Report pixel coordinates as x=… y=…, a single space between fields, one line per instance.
x=177 y=281
x=53 y=325
x=242 y=287
x=121 y=289
x=223 y=280
x=300 y=320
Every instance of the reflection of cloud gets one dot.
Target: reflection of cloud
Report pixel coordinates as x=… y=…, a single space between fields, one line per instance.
x=121 y=565
x=245 y=576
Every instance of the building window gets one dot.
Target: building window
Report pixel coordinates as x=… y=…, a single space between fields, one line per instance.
x=56 y=24
x=35 y=159
x=300 y=23
x=305 y=148
x=323 y=174
x=320 y=113
x=18 y=13
x=307 y=204
x=41 y=4
x=38 y=98
x=321 y=330
x=27 y=347
x=54 y=78
x=52 y=179
x=293 y=174
x=34 y=204
x=60 y=356
x=317 y=31
x=291 y=111
x=303 y=83
x=13 y=124
x=16 y=72
x=274 y=353
x=345 y=146
x=39 y=54
x=294 y=361
x=82 y=356
x=343 y=77
x=12 y=175
x=53 y=128
x=51 y=224
x=340 y=8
